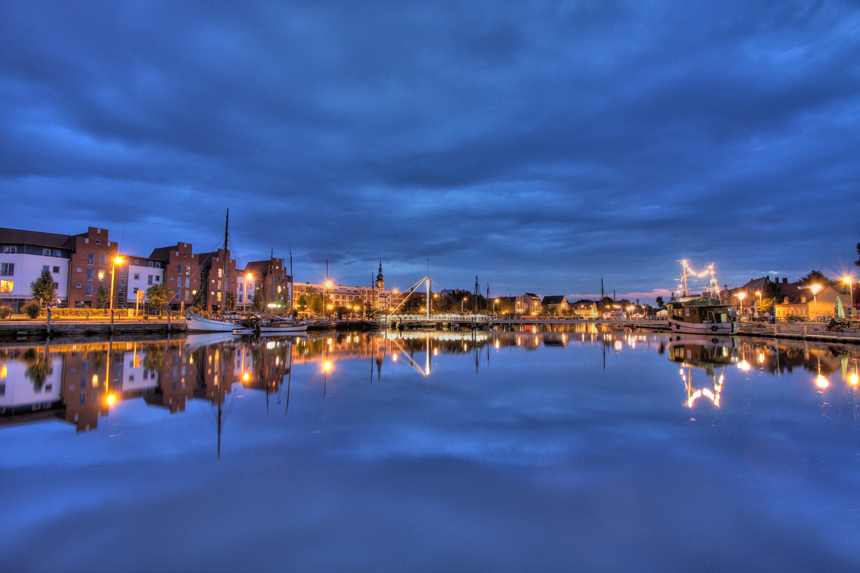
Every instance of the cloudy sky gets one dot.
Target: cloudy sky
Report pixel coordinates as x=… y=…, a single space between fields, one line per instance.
x=539 y=144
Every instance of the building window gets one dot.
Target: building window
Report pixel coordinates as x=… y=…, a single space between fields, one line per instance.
x=10 y=250
x=180 y=269
x=80 y=270
x=57 y=254
x=187 y=283
x=184 y=254
x=46 y=269
x=77 y=285
x=157 y=278
x=56 y=269
x=89 y=274
x=137 y=276
x=7 y=269
x=46 y=252
x=101 y=260
x=89 y=290
x=135 y=290
x=101 y=275
x=91 y=259
x=149 y=279
x=6 y=286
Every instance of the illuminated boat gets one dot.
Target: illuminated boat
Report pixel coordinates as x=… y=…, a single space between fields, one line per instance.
x=701 y=315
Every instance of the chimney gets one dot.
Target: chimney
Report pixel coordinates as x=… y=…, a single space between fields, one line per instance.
x=776 y=280
x=784 y=280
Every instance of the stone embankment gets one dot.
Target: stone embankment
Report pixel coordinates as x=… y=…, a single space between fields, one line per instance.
x=16 y=329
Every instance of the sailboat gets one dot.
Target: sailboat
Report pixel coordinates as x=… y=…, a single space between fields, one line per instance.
x=197 y=323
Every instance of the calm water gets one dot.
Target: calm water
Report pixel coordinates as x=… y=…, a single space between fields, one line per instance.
x=552 y=451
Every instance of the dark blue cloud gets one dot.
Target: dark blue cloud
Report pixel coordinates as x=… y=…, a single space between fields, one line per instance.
x=540 y=145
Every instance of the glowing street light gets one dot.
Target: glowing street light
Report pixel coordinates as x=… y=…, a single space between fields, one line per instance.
x=815 y=289
x=741 y=297
x=248 y=277
x=116 y=261
x=850 y=282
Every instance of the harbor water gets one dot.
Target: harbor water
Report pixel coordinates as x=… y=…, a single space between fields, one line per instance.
x=563 y=449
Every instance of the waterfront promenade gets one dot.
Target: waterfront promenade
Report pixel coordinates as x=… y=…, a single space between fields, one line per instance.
x=19 y=327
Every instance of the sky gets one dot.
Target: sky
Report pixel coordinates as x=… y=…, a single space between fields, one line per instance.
x=540 y=145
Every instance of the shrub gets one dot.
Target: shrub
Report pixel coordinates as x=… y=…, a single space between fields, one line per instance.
x=32 y=309
x=5 y=312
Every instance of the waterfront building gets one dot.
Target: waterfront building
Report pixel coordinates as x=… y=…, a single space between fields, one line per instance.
x=584 y=308
x=135 y=277
x=531 y=303
x=271 y=278
x=212 y=279
x=79 y=265
x=555 y=304
x=181 y=273
x=370 y=297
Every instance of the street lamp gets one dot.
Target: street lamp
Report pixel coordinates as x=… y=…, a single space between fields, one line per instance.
x=116 y=261
x=850 y=282
x=461 y=306
x=495 y=300
x=815 y=289
x=248 y=277
x=741 y=297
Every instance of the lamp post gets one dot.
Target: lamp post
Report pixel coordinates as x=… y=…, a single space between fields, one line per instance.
x=815 y=289
x=248 y=277
x=850 y=282
x=461 y=306
x=116 y=261
x=495 y=300
x=741 y=297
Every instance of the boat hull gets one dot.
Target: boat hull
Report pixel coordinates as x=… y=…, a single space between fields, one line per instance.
x=712 y=328
x=199 y=324
x=299 y=329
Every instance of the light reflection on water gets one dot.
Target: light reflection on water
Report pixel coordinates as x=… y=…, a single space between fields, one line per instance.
x=578 y=448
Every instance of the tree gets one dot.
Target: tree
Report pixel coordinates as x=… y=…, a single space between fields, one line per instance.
x=39 y=367
x=317 y=304
x=230 y=303
x=660 y=303
x=103 y=297
x=258 y=303
x=817 y=277
x=302 y=302
x=159 y=295
x=857 y=262
x=44 y=287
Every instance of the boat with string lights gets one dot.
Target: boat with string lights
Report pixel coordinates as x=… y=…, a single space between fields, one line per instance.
x=705 y=314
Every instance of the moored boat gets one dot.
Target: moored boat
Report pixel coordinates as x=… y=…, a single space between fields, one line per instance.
x=197 y=323
x=701 y=315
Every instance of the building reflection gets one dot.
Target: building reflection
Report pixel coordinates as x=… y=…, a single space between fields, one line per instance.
x=79 y=382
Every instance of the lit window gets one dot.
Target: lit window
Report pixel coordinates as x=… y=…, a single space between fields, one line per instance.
x=6 y=286
x=101 y=275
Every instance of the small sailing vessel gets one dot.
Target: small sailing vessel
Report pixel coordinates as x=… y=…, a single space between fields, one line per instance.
x=282 y=327
x=197 y=323
x=701 y=314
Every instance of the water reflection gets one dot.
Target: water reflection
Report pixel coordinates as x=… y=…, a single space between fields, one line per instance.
x=79 y=382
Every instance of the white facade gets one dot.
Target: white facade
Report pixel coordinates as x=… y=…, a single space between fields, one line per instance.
x=18 y=390
x=27 y=269
x=140 y=278
x=241 y=290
